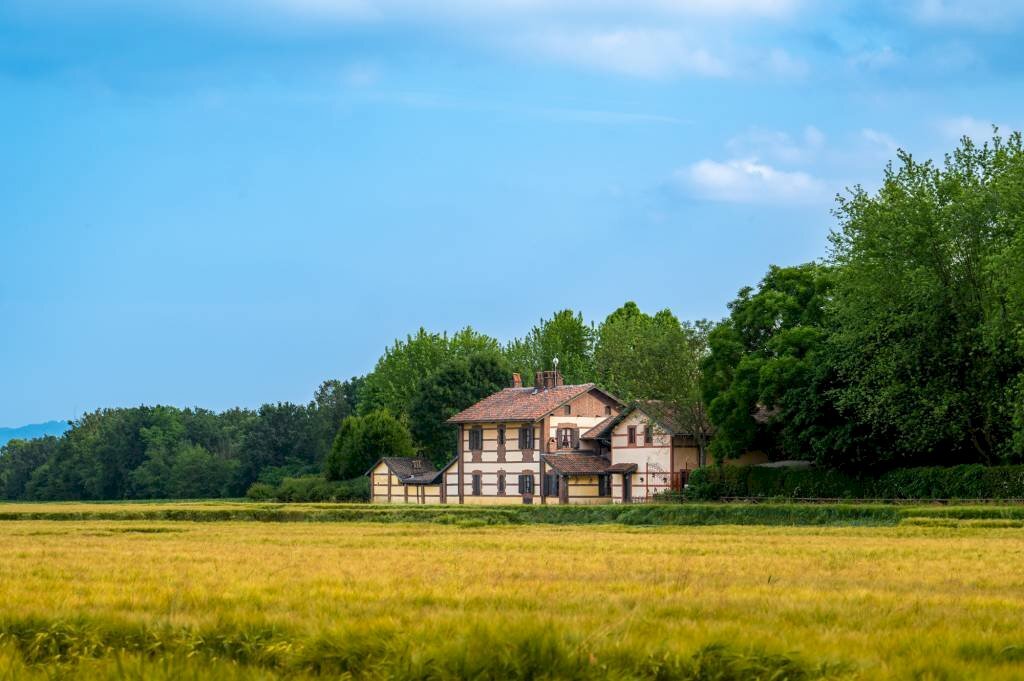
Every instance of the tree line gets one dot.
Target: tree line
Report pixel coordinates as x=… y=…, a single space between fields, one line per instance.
x=903 y=347
x=398 y=409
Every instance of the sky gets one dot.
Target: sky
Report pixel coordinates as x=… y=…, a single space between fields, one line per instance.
x=223 y=204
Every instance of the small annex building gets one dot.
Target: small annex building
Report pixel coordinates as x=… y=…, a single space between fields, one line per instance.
x=396 y=479
x=549 y=443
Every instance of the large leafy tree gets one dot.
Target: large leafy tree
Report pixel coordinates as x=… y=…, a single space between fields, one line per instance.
x=396 y=379
x=565 y=336
x=362 y=440
x=764 y=378
x=457 y=385
x=928 y=306
x=655 y=357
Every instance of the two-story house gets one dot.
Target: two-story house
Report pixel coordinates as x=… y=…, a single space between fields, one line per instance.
x=549 y=443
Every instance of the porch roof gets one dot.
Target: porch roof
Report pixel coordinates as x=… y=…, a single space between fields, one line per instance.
x=576 y=464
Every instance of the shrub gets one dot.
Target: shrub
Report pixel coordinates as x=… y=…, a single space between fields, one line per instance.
x=261 y=491
x=956 y=482
x=312 y=488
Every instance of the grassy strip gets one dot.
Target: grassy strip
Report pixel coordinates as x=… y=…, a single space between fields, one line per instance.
x=793 y=514
x=647 y=514
x=538 y=652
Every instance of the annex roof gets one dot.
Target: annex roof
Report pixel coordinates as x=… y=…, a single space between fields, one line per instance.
x=660 y=412
x=522 y=404
x=601 y=431
x=409 y=469
x=577 y=464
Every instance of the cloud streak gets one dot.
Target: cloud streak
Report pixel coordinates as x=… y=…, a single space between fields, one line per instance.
x=749 y=181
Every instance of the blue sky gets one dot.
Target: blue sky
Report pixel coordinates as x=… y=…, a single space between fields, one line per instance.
x=224 y=203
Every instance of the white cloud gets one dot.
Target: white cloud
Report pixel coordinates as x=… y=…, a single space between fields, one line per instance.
x=634 y=52
x=510 y=9
x=749 y=181
x=777 y=146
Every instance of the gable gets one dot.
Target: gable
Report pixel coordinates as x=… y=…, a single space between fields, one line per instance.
x=591 y=403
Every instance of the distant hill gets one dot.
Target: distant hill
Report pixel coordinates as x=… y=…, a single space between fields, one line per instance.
x=34 y=430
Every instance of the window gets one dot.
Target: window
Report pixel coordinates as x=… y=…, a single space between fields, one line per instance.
x=501 y=435
x=526 y=437
x=604 y=486
x=478 y=484
x=567 y=438
x=476 y=438
x=607 y=411
x=567 y=409
x=501 y=482
x=648 y=434
x=526 y=483
x=631 y=435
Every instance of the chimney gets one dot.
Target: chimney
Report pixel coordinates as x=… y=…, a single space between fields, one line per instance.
x=517 y=381
x=547 y=379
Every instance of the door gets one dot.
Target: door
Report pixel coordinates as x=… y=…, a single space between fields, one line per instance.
x=627 y=488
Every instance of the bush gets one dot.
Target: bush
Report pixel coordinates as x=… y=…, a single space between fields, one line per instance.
x=261 y=491
x=956 y=482
x=312 y=488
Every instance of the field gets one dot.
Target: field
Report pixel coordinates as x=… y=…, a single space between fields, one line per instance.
x=937 y=596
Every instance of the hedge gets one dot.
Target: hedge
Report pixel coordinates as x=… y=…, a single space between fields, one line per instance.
x=311 y=488
x=956 y=482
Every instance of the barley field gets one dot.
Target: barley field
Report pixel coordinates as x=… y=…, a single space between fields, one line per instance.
x=114 y=599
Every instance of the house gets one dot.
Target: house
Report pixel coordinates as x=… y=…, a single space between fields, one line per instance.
x=549 y=443
x=397 y=479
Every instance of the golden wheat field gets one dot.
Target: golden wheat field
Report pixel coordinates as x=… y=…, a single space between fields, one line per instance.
x=245 y=600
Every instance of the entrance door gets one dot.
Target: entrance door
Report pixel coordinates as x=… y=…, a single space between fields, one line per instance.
x=627 y=488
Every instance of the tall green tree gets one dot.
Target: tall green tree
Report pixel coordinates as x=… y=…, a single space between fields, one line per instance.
x=765 y=378
x=457 y=385
x=362 y=440
x=927 y=306
x=644 y=357
x=565 y=336
x=396 y=379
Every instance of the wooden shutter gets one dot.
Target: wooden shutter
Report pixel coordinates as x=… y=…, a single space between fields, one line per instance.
x=575 y=438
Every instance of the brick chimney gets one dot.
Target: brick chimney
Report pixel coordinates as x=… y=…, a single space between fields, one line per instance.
x=517 y=381
x=547 y=379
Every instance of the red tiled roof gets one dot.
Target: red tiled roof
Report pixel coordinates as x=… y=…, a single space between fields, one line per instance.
x=622 y=468
x=598 y=430
x=520 y=404
x=579 y=464
x=406 y=467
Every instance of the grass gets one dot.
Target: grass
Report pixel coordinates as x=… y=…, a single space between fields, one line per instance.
x=767 y=513
x=98 y=599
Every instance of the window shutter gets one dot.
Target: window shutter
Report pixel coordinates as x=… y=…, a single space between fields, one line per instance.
x=575 y=438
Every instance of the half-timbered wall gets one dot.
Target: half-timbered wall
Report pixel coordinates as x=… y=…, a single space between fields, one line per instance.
x=654 y=461
x=386 y=488
x=494 y=460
